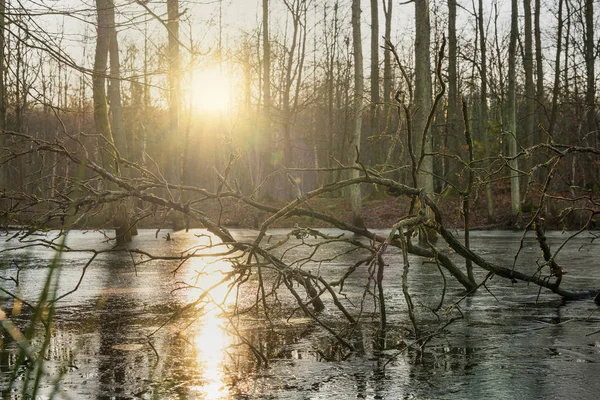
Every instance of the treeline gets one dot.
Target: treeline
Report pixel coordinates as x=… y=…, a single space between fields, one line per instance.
x=317 y=90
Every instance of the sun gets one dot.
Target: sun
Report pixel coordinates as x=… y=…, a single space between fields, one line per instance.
x=211 y=90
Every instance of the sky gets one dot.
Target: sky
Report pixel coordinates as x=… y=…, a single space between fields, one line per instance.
x=201 y=20
x=202 y=17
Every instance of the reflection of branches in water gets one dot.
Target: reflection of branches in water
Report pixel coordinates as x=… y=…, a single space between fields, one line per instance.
x=14 y=279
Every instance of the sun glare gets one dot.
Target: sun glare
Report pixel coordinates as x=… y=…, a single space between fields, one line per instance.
x=212 y=339
x=211 y=90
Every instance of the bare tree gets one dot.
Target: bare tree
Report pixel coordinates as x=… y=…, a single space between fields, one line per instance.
x=387 y=57
x=489 y=198
x=2 y=71
x=265 y=144
x=293 y=79
x=590 y=59
x=530 y=116
x=101 y=117
x=452 y=118
x=3 y=172
x=539 y=90
x=111 y=155
x=510 y=129
x=331 y=36
x=355 y=192
x=375 y=97
x=422 y=96
x=114 y=86
x=555 y=88
x=173 y=16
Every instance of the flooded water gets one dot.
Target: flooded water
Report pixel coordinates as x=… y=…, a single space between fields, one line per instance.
x=126 y=331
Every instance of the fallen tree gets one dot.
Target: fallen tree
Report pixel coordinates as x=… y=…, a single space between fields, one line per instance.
x=86 y=199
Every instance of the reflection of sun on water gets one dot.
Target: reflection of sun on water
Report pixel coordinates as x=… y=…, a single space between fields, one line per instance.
x=211 y=90
x=211 y=344
x=212 y=340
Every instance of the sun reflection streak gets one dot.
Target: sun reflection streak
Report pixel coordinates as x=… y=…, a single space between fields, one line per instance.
x=212 y=339
x=211 y=345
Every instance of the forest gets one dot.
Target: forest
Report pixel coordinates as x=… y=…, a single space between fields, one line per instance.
x=316 y=153
x=282 y=107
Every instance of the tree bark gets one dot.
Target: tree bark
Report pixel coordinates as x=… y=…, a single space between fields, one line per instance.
x=293 y=77
x=530 y=116
x=555 y=88
x=266 y=60
x=110 y=160
x=590 y=58
x=174 y=75
x=422 y=139
x=122 y=140
x=101 y=117
x=375 y=98
x=451 y=169
x=176 y=159
x=3 y=169
x=265 y=142
x=114 y=87
x=489 y=198
x=541 y=119
x=567 y=90
x=510 y=131
x=539 y=92
x=2 y=71
x=355 y=192
x=387 y=59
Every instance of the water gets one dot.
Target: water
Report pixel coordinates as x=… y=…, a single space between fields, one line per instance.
x=115 y=336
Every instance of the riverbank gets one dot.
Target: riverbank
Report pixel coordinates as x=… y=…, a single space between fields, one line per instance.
x=382 y=211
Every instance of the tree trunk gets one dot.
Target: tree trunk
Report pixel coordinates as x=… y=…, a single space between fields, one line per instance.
x=555 y=88
x=541 y=119
x=510 y=130
x=590 y=58
x=422 y=139
x=540 y=114
x=375 y=98
x=106 y=21
x=567 y=89
x=331 y=51
x=265 y=144
x=101 y=118
x=355 y=192
x=293 y=74
x=125 y=228
x=176 y=159
x=2 y=72
x=489 y=198
x=266 y=60
x=174 y=83
x=174 y=88
x=529 y=84
x=590 y=97
x=453 y=145
x=387 y=60
x=114 y=87
x=3 y=168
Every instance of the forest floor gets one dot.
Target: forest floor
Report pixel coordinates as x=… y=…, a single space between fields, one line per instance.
x=382 y=211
